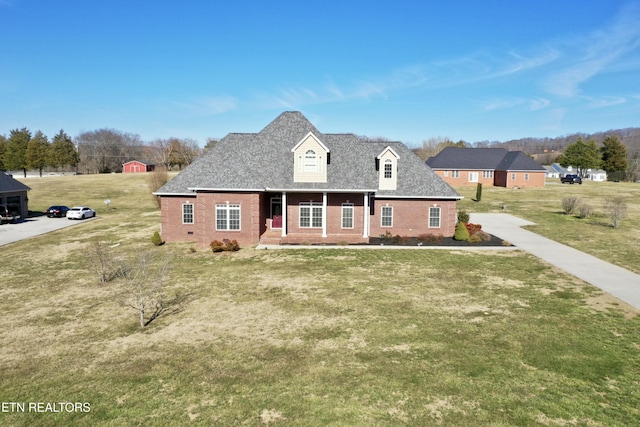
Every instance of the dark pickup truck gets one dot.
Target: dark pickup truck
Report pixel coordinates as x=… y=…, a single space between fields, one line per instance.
x=571 y=179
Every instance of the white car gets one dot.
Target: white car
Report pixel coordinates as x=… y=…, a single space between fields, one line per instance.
x=80 y=212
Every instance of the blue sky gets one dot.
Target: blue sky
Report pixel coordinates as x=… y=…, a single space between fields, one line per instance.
x=404 y=70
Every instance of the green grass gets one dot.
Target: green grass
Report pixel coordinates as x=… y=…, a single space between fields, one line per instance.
x=313 y=337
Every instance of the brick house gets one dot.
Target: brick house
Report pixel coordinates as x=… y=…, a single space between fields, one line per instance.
x=490 y=166
x=289 y=183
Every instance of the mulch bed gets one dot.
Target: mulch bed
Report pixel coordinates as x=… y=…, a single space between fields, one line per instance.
x=442 y=241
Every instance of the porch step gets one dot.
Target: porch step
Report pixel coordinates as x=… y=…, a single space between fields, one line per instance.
x=271 y=238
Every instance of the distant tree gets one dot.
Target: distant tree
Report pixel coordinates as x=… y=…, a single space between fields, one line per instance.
x=3 y=148
x=15 y=156
x=37 y=150
x=175 y=152
x=62 y=151
x=614 y=155
x=105 y=150
x=211 y=142
x=432 y=146
x=581 y=155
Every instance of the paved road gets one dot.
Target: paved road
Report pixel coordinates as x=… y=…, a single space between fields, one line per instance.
x=612 y=279
x=31 y=227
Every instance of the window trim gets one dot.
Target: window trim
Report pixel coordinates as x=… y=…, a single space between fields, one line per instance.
x=346 y=207
x=227 y=208
x=185 y=214
x=389 y=216
x=455 y=174
x=313 y=220
x=438 y=217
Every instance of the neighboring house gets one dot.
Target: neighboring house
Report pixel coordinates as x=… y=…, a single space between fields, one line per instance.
x=551 y=172
x=491 y=166
x=289 y=183
x=135 y=166
x=598 y=175
x=13 y=193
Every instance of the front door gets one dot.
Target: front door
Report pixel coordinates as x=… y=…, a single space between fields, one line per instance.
x=276 y=212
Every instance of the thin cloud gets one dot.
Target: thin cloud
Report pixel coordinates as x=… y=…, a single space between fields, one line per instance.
x=210 y=106
x=597 y=52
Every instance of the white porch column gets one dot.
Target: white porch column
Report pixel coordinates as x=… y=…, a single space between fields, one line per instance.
x=324 y=214
x=365 y=216
x=284 y=213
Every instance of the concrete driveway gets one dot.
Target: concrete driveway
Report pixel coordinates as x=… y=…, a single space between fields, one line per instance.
x=31 y=227
x=612 y=279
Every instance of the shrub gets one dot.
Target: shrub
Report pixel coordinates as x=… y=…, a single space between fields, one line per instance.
x=570 y=204
x=224 y=245
x=461 y=232
x=585 y=210
x=474 y=239
x=616 y=210
x=473 y=228
x=483 y=235
x=479 y=192
x=463 y=216
x=156 y=239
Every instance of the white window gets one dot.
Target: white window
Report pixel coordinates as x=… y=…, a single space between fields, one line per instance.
x=487 y=174
x=388 y=169
x=187 y=213
x=513 y=177
x=446 y=173
x=526 y=177
x=386 y=219
x=310 y=215
x=473 y=176
x=311 y=162
x=434 y=217
x=347 y=215
x=455 y=174
x=227 y=217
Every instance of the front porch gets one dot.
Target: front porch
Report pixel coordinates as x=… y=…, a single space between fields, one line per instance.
x=275 y=237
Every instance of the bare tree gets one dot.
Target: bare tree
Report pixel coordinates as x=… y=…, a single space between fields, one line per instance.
x=157 y=179
x=144 y=278
x=101 y=261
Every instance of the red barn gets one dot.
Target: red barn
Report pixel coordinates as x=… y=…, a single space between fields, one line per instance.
x=135 y=166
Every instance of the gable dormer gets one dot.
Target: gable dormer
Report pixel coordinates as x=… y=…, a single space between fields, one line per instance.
x=388 y=169
x=310 y=160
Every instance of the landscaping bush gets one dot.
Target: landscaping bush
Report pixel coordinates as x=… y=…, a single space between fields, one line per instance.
x=473 y=228
x=156 y=239
x=461 y=232
x=585 y=210
x=616 y=210
x=570 y=204
x=463 y=216
x=224 y=245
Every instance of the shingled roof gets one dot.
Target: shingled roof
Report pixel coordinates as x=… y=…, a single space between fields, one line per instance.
x=10 y=185
x=483 y=159
x=263 y=162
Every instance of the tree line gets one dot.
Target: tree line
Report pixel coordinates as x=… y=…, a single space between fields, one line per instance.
x=99 y=151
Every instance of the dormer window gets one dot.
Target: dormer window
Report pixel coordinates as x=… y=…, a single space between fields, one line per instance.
x=388 y=169
x=387 y=165
x=310 y=161
x=310 y=157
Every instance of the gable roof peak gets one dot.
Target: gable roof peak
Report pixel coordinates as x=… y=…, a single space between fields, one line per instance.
x=388 y=149
x=315 y=138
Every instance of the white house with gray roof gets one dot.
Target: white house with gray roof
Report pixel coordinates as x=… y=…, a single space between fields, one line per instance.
x=290 y=183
